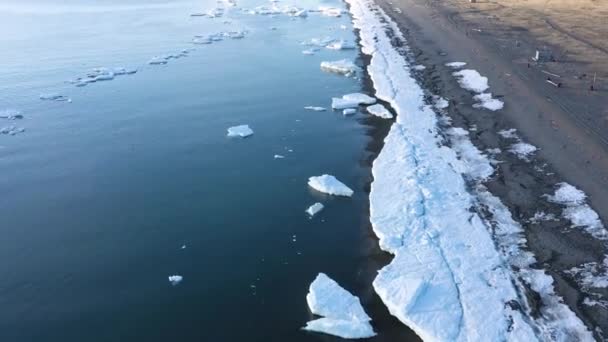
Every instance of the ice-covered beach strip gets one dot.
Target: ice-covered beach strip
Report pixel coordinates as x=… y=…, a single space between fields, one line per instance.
x=449 y=280
x=342 y=312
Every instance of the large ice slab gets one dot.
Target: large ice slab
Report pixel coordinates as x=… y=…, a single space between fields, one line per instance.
x=379 y=111
x=242 y=131
x=330 y=185
x=342 y=312
x=342 y=66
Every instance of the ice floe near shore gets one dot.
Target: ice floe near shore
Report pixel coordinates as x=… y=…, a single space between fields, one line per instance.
x=343 y=66
x=330 y=185
x=360 y=98
x=242 y=131
x=342 y=312
x=448 y=280
x=379 y=111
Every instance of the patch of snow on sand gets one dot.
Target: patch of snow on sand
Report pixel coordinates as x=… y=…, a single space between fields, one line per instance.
x=471 y=80
x=522 y=150
x=242 y=131
x=577 y=211
x=343 y=66
x=379 y=111
x=592 y=274
x=455 y=65
x=342 y=312
x=447 y=281
x=314 y=209
x=330 y=185
x=508 y=133
x=175 y=279
x=486 y=101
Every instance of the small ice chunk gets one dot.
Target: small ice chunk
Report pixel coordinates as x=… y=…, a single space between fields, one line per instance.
x=330 y=11
x=440 y=102
x=341 y=45
x=343 y=66
x=201 y=40
x=522 y=150
x=455 y=65
x=279 y=156
x=349 y=111
x=486 y=101
x=418 y=67
x=314 y=209
x=242 y=131
x=340 y=103
x=11 y=130
x=315 y=108
x=157 y=60
x=53 y=97
x=380 y=111
x=342 y=312
x=471 y=80
x=175 y=279
x=330 y=185
x=360 y=98
x=10 y=114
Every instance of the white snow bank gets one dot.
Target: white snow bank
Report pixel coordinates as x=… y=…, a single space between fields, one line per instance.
x=343 y=66
x=448 y=281
x=360 y=98
x=522 y=150
x=343 y=314
x=315 y=108
x=471 y=80
x=329 y=185
x=379 y=111
x=314 y=209
x=488 y=102
x=175 y=279
x=455 y=65
x=242 y=131
x=577 y=211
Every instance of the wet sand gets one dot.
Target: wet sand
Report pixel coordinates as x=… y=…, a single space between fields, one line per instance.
x=567 y=124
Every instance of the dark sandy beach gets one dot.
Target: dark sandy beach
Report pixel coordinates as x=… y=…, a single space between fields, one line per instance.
x=569 y=124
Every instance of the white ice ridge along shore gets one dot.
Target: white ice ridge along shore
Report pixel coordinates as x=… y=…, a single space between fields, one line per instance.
x=449 y=279
x=342 y=312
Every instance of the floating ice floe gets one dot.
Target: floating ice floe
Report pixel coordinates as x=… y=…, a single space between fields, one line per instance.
x=309 y=52
x=343 y=315
x=448 y=281
x=314 y=209
x=318 y=42
x=330 y=185
x=349 y=111
x=242 y=131
x=102 y=74
x=341 y=103
x=486 y=101
x=360 y=98
x=315 y=108
x=455 y=65
x=522 y=150
x=471 y=80
x=175 y=279
x=54 y=97
x=279 y=156
x=379 y=111
x=343 y=66
x=156 y=60
x=10 y=114
x=341 y=45
x=11 y=130
x=580 y=214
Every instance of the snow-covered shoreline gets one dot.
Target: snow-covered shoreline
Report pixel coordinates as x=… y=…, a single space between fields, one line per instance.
x=452 y=277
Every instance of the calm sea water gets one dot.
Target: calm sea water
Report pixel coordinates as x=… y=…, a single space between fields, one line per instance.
x=99 y=195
